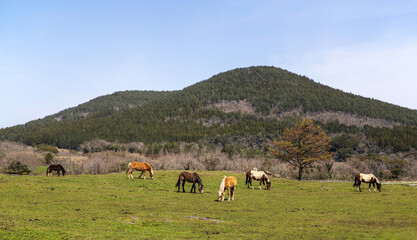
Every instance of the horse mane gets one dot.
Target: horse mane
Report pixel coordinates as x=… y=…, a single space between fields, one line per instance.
x=198 y=179
x=266 y=176
x=150 y=167
x=222 y=184
x=377 y=180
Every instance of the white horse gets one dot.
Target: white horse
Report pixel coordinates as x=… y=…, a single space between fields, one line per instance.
x=228 y=183
x=261 y=176
x=367 y=178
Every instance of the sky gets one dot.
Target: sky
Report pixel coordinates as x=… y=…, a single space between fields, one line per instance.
x=58 y=54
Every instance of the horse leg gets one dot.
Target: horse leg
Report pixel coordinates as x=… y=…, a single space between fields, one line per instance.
x=233 y=193
x=140 y=175
x=193 y=187
x=373 y=184
x=369 y=189
x=178 y=183
x=128 y=173
x=250 y=182
x=183 y=183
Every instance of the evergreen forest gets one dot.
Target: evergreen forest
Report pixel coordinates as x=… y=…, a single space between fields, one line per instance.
x=273 y=99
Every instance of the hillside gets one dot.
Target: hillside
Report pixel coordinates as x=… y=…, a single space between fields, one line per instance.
x=108 y=104
x=250 y=104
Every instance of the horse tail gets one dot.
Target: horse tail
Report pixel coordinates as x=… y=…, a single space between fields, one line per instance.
x=128 y=167
x=47 y=170
x=356 y=183
x=247 y=178
x=63 y=170
x=179 y=180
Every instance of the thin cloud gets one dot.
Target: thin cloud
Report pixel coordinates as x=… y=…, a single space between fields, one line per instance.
x=384 y=70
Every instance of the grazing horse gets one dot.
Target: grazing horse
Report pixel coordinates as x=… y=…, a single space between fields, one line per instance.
x=228 y=183
x=139 y=166
x=192 y=178
x=55 y=167
x=261 y=176
x=367 y=178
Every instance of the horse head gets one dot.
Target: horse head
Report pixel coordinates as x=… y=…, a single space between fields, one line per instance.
x=151 y=171
x=378 y=186
x=221 y=189
x=200 y=188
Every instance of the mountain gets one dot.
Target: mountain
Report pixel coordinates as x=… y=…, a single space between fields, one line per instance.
x=253 y=104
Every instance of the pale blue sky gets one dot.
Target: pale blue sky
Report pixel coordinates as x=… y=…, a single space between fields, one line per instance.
x=58 y=54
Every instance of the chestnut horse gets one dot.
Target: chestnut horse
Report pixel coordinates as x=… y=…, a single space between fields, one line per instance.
x=192 y=178
x=261 y=176
x=228 y=183
x=367 y=178
x=55 y=167
x=139 y=166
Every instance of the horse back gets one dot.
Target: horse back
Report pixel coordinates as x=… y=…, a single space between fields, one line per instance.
x=230 y=182
x=367 y=178
x=139 y=165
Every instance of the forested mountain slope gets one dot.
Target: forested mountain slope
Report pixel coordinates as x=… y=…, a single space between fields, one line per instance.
x=196 y=113
x=108 y=104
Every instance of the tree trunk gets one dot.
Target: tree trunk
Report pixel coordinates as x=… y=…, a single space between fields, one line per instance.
x=300 y=172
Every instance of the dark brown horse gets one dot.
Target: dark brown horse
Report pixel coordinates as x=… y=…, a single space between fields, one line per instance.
x=192 y=178
x=55 y=167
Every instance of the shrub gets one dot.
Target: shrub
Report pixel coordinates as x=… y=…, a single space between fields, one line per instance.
x=48 y=148
x=48 y=158
x=16 y=167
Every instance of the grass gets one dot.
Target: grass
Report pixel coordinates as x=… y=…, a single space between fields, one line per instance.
x=113 y=207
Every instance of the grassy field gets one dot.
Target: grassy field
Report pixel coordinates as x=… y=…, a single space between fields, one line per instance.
x=113 y=207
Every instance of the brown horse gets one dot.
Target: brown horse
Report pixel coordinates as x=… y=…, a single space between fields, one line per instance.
x=228 y=183
x=192 y=178
x=261 y=176
x=55 y=167
x=367 y=178
x=139 y=166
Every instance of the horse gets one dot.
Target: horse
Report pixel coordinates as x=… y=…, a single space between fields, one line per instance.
x=55 y=167
x=261 y=176
x=228 y=183
x=367 y=178
x=192 y=178
x=139 y=166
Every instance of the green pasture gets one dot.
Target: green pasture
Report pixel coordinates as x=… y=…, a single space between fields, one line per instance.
x=113 y=207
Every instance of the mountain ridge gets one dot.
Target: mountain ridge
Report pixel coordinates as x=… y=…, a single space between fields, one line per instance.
x=270 y=95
